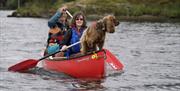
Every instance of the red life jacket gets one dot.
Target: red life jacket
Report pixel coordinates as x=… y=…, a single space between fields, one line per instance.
x=55 y=35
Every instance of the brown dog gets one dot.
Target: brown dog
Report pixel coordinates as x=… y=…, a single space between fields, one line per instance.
x=94 y=36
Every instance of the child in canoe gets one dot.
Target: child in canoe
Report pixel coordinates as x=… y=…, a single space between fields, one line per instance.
x=58 y=25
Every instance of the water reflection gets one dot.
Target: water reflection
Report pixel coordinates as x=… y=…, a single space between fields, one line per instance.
x=78 y=84
x=88 y=85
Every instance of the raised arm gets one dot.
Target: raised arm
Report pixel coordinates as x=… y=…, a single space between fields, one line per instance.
x=54 y=19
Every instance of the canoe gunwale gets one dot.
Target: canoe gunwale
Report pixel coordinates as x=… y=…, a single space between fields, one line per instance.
x=75 y=57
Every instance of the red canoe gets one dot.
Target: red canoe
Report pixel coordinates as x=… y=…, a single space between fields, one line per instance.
x=88 y=66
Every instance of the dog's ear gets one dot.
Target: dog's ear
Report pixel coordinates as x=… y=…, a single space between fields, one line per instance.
x=100 y=25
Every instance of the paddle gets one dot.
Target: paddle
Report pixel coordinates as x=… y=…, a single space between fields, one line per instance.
x=113 y=61
x=30 y=63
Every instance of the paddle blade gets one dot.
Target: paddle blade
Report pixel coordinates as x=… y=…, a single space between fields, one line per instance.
x=23 y=66
x=113 y=61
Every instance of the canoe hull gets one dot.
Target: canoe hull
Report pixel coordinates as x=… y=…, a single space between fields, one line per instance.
x=89 y=66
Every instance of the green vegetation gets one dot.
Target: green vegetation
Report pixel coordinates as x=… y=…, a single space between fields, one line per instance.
x=96 y=8
x=166 y=8
x=38 y=8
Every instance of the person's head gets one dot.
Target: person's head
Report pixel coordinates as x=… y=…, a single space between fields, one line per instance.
x=79 y=20
x=63 y=17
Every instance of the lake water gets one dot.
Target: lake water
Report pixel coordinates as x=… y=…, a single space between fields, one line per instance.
x=150 y=53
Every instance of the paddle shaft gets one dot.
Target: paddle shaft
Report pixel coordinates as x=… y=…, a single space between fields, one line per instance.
x=69 y=13
x=58 y=51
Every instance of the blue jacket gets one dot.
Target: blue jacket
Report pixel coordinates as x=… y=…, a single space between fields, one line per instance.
x=75 y=37
x=72 y=36
x=54 y=19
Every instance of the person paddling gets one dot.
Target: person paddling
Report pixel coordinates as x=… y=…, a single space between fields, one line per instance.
x=58 y=25
x=73 y=35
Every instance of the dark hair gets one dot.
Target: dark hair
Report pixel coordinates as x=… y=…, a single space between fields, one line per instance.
x=73 y=21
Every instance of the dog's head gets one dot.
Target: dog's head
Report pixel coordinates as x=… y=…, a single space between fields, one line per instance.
x=110 y=22
x=100 y=25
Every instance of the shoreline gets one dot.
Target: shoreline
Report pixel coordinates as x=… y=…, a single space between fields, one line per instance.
x=143 y=18
x=124 y=10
